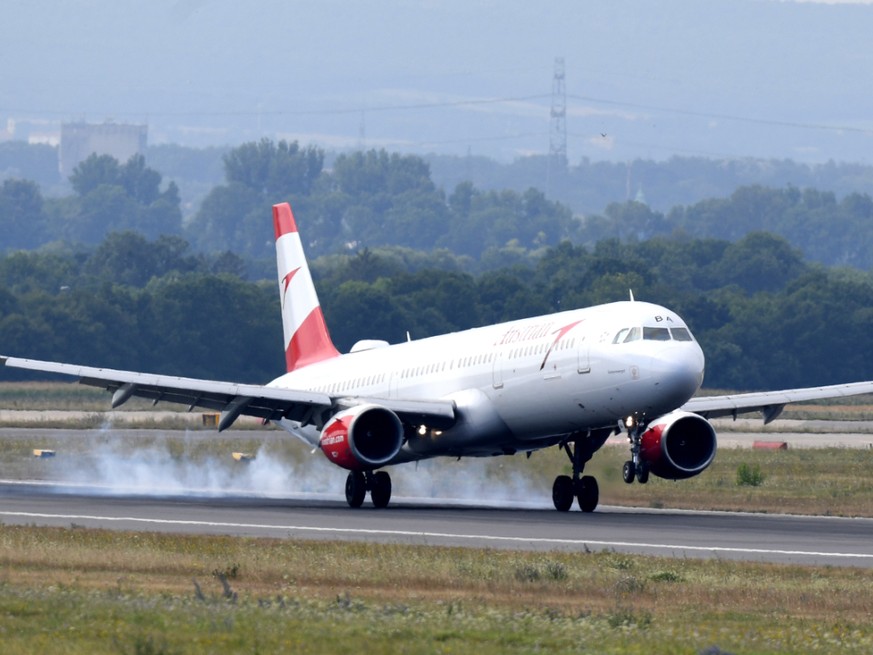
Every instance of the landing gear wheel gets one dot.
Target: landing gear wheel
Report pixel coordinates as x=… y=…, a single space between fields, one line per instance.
x=356 y=489
x=562 y=493
x=579 y=488
x=587 y=493
x=643 y=473
x=380 y=494
x=628 y=472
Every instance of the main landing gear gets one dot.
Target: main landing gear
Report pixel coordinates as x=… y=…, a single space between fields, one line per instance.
x=358 y=483
x=635 y=467
x=582 y=488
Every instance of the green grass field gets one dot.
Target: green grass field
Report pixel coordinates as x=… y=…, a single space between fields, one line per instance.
x=89 y=591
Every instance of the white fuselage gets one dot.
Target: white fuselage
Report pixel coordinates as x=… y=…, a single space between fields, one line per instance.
x=521 y=385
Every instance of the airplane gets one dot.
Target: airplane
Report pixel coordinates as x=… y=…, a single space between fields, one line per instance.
x=570 y=379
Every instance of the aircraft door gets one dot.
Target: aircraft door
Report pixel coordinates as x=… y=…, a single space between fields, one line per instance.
x=497 y=370
x=583 y=364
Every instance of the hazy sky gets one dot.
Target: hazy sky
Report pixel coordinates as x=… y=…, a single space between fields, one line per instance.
x=724 y=78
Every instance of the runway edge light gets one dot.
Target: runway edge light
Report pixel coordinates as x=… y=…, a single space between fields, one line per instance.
x=43 y=453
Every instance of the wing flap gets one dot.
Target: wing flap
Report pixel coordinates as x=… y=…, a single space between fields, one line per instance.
x=234 y=400
x=770 y=403
x=263 y=402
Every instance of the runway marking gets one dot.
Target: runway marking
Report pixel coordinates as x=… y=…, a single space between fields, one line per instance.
x=444 y=535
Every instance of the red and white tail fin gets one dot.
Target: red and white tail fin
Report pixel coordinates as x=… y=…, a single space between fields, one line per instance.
x=306 y=337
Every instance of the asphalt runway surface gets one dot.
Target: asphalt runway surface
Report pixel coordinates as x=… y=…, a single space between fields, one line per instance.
x=680 y=534
x=483 y=524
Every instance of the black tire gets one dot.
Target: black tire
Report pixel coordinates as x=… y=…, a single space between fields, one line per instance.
x=589 y=493
x=356 y=489
x=562 y=493
x=380 y=494
x=643 y=473
x=628 y=472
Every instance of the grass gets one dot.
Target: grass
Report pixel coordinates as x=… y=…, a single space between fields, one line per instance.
x=64 y=405
x=91 y=591
x=829 y=482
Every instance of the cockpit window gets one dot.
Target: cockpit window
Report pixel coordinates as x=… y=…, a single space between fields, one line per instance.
x=681 y=334
x=634 y=335
x=626 y=335
x=656 y=334
x=619 y=338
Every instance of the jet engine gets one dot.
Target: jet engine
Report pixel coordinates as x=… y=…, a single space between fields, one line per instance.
x=678 y=445
x=362 y=438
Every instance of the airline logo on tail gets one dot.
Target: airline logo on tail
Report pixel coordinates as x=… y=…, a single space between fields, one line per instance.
x=306 y=337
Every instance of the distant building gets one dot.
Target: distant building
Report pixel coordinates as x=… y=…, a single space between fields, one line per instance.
x=81 y=140
x=32 y=130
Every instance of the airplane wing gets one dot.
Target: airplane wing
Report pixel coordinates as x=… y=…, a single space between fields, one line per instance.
x=769 y=403
x=234 y=400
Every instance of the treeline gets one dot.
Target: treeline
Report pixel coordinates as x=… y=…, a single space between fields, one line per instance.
x=586 y=187
x=374 y=199
x=825 y=229
x=590 y=186
x=366 y=199
x=116 y=277
x=764 y=316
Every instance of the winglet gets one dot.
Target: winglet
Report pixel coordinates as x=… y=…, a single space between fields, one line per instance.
x=307 y=339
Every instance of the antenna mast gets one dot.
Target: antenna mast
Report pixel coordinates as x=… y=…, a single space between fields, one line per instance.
x=558 y=123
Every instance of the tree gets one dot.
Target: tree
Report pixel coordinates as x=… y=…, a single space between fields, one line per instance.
x=376 y=172
x=102 y=210
x=358 y=310
x=274 y=170
x=95 y=171
x=22 y=220
x=30 y=161
x=28 y=272
x=258 y=175
x=129 y=258
x=213 y=326
x=113 y=197
x=759 y=262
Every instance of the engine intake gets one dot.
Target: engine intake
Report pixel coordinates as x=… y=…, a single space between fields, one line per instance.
x=362 y=438
x=678 y=445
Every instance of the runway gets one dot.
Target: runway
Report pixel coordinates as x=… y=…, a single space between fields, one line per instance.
x=680 y=534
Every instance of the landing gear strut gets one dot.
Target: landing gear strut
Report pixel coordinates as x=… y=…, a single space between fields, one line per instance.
x=582 y=488
x=636 y=467
x=358 y=483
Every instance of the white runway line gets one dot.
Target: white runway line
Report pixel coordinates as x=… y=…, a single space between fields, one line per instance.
x=445 y=535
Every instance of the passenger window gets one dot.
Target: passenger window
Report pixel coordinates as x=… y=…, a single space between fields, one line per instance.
x=681 y=334
x=656 y=334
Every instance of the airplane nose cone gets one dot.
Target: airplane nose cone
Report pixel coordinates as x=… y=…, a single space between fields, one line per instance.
x=678 y=372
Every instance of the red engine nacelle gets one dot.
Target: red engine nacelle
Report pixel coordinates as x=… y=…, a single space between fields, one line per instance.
x=362 y=438
x=678 y=445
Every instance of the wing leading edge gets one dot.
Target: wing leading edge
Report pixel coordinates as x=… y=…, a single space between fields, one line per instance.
x=234 y=400
x=770 y=403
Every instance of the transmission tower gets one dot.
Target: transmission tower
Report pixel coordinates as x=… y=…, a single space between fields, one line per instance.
x=558 y=123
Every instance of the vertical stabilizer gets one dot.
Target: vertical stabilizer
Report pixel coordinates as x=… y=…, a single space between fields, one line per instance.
x=306 y=337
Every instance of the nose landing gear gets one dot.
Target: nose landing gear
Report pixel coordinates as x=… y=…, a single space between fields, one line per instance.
x=636 y=467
